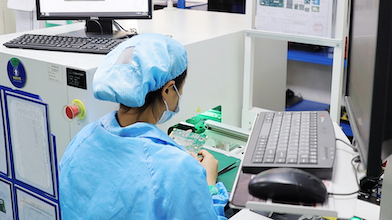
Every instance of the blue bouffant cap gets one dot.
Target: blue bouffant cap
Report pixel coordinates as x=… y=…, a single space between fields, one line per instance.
x=137 y=66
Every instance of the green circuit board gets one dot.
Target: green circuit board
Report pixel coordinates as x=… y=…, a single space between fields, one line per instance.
x=191 y=141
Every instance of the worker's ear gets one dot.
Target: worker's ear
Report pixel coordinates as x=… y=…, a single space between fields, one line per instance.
x=166 y=89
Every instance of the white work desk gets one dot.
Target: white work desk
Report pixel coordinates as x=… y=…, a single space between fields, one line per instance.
x=343 y=182
x=214 y=42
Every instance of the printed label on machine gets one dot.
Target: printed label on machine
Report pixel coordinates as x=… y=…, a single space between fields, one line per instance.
x=76 y=78
x=55 y=73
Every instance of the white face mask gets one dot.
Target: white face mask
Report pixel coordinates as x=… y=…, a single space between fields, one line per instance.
x=167 y=114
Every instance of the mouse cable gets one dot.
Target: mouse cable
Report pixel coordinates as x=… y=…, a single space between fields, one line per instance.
x=355 y=159
x=343 y=194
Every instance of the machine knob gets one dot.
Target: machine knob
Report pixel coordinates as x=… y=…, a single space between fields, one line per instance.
x=71 y=111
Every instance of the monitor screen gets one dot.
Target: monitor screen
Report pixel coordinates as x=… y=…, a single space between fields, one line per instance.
x=369 y=82
x=94 y=11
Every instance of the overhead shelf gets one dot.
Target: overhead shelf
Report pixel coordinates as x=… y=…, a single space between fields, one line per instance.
x=322 y=41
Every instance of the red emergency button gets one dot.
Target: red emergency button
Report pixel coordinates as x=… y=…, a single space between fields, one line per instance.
x=71 y=111
x=76 y=109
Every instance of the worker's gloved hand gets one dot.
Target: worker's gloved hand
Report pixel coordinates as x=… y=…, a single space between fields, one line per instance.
x=208 y=161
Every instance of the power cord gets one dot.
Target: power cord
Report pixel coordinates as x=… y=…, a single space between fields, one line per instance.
x=356 y=159
x=348 y=144
x=133 y=31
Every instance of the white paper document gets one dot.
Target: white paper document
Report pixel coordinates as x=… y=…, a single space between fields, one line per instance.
x=303 y=17
x=32 y=208
x=30 y=143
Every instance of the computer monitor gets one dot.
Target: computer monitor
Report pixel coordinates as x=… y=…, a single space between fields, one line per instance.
x=98 y=14
x=369 y=91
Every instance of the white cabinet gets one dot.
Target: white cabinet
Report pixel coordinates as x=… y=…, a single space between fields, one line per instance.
x=265 y=64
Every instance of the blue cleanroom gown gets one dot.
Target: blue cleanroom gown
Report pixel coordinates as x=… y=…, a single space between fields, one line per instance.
x=136 y=172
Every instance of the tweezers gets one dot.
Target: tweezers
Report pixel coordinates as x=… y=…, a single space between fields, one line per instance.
x=229 y=167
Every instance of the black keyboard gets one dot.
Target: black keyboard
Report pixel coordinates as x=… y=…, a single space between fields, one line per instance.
x=93 y=45
x=304 y=140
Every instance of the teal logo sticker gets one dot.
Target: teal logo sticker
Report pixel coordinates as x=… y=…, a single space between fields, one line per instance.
x=16 y=73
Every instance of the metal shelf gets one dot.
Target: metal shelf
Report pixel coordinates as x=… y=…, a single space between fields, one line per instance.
x=324 y=57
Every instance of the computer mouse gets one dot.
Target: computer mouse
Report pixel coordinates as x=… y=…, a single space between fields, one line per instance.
x=288 y=185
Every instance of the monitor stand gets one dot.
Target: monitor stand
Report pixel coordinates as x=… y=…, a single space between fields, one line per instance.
x=99 y=28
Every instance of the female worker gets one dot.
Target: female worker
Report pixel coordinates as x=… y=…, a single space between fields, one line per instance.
x=122 y=166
